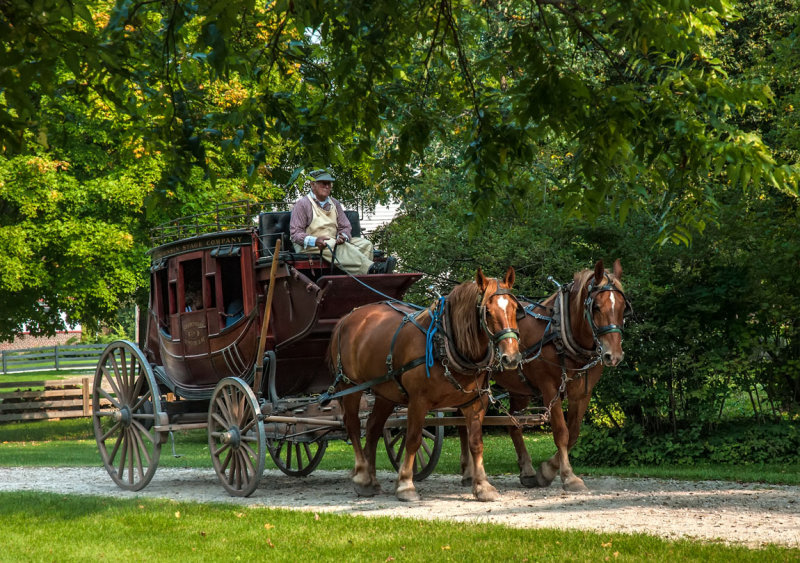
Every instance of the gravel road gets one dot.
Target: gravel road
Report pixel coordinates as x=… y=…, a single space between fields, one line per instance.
x=748 y=514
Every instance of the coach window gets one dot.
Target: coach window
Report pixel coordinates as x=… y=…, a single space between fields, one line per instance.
x=160 y=296
x=230 y=270
x=192 y=276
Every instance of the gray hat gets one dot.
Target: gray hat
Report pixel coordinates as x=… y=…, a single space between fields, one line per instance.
x=321 y=175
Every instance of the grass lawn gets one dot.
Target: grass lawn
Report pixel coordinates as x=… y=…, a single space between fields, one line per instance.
x=52 y=527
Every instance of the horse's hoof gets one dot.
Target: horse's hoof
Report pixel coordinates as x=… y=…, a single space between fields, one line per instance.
x=541 y=480
x=487 y=494
x=407 y=495
x=367 y=490
x=530 y=481
x=466 y=481
x=575 y=485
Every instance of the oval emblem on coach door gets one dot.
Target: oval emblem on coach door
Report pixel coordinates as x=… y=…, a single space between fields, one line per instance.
x=194 y=332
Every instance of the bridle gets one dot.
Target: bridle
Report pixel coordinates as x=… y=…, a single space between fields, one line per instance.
x=590 y=307
x=508 y=332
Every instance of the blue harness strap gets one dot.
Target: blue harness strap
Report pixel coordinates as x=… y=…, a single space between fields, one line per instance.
x=430 y=333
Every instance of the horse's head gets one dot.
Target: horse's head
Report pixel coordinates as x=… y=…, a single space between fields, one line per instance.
x=498 y=312
x=605 y=305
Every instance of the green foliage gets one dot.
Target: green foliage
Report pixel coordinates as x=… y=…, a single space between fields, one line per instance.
x=637 y=95
x=735 y=442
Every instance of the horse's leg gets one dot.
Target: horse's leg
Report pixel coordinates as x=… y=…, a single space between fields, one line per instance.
x=361 y=478
x=377 y=419
x=481 y=488
x=527 y=474
x=405 y=489
x=579 y=393
x=559 y=463
x=570 y=481
x=466 y=457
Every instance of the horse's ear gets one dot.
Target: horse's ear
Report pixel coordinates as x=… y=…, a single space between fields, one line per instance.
x=481 y=280
x=599 y=272
x=617 y=269
x=510 y=276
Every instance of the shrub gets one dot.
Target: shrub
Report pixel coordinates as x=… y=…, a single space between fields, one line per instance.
x=739 y=441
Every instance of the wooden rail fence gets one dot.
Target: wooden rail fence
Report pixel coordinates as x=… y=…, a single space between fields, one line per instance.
x=60 y=398
x=45 y=358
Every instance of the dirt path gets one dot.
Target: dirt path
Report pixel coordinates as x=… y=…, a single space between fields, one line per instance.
x=752 y=515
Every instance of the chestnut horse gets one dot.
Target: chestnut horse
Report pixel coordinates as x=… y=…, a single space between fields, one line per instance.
x=567 y=340
x=426 y=359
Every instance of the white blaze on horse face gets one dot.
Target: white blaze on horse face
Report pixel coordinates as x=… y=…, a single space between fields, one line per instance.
x=613 y=301
x=503 y=302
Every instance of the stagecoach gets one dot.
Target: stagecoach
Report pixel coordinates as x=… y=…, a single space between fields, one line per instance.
x=237 y=338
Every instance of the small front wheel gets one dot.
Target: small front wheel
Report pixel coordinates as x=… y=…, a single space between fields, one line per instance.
x=236 y=437
x=394 y=438
x=296 y=459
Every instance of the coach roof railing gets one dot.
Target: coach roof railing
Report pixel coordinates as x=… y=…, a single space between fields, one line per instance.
x=224 y=217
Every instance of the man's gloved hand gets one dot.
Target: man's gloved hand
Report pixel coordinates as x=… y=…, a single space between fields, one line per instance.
x=321 y=242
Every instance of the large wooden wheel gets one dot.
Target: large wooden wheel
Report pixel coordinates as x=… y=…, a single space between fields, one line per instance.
x=394 y=438
x=125 y=408
x=236 y=437
x=296 y=459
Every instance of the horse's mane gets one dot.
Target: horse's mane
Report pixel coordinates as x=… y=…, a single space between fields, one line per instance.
x=465 y=324
x=580 y=290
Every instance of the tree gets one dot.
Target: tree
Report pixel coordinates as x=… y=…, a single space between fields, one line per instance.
x=644 y=109
x=598 y=108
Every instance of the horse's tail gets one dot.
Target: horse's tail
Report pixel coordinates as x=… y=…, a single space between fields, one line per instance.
x=334 y=353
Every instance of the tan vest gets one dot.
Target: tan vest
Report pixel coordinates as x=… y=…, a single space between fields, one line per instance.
x=323 y=223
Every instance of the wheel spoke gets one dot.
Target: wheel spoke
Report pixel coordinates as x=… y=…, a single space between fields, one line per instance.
x=249 y=426
x=111 y=382
x=140 y=430
x=138 y=450
x=142 y=399
x=219 y=420
x=131 y=450
x=108 y=397
x=247 y=466
x=426 y=446
x=248 y=450
x=120 y=440
x=401 y=448
x=289 y=456
x=111 y=431
x=223 y=404
x=123 y=361
x=123 y=452
x=227 y=460
x=217 y=451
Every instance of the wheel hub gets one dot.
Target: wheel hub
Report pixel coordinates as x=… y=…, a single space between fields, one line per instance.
x=123 y=415
x=232 y=437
